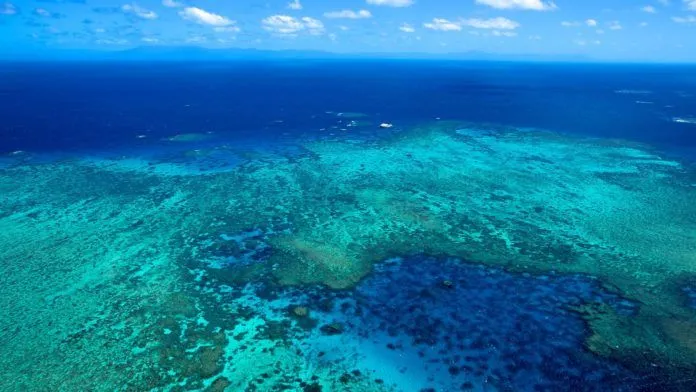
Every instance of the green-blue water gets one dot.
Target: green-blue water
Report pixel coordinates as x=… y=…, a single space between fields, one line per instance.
x=220 y=227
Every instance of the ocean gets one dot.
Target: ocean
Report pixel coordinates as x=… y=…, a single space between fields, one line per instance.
x=72 y=106
x=347 y=225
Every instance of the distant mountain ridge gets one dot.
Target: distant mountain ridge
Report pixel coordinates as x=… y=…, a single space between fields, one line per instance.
x=199 y=53
x=195 y=53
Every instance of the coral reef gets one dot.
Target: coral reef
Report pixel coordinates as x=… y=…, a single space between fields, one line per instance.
x=115 y=275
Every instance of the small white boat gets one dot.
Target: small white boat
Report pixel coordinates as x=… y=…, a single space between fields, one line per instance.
x=386 y=125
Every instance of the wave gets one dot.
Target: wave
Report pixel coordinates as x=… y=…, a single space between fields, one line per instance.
x=684 y=120
x=633 y=92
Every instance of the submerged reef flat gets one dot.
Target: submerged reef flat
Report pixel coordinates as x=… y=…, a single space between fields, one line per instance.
x=449 y=256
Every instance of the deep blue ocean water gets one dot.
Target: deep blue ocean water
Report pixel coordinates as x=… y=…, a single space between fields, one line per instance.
x=96 y=106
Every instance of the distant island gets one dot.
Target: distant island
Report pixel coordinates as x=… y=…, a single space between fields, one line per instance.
x=195 y=53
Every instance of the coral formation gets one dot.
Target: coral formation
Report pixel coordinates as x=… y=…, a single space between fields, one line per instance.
x=117 y=275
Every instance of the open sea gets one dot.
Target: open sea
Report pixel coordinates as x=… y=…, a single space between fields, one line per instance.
x=347 y=225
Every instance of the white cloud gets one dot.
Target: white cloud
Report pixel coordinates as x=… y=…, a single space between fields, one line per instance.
x=391 y=3
x=536 y=5
x=42 y=12
x=615 y=25
x=119 y=41
x=588 y=23
x=348 y=14
x=139 y=11
x=172 y=3
x=289 y=26
x=493 y=23
x=442 y=25
x=295 y=5
x=150 y=40
x=649 y=9
x=583 y=42
x=497 y=33
x=204 y=17
x=227 y=29
x=196 y=39
x=314 y=26
x=407 y=28
x=8 y=9
x=225 y=41
x=690 y=4
x=687 y=19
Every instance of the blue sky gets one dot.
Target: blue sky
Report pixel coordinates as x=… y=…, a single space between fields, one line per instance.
x=661 y=30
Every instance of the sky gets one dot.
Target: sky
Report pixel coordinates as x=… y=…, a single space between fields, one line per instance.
x=615 y=30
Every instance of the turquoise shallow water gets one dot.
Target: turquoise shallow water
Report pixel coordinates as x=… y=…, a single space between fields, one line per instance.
x=334 y=255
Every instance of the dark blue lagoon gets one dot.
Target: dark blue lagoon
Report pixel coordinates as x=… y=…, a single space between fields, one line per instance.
x=347 y=225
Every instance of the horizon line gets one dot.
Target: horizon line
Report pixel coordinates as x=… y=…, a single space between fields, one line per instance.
x=140 y=53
